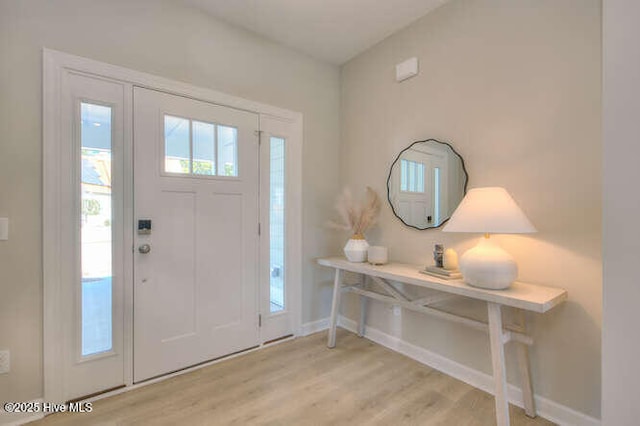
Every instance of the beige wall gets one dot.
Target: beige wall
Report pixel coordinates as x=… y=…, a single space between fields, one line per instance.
x=163 y=38
x=621 y=210
x=514 y=86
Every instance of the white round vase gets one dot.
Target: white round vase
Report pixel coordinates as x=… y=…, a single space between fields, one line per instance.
x=356 y=249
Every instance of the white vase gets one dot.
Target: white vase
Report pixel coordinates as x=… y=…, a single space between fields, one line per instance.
x=356 y=249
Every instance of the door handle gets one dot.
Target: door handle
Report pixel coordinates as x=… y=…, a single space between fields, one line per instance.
x=144 y=248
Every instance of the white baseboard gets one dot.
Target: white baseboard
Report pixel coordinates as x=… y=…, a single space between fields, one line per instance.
x=15 y=419
x=314 y=326
x=546 y=408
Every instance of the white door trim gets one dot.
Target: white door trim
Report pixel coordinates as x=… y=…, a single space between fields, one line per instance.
x=55 y=64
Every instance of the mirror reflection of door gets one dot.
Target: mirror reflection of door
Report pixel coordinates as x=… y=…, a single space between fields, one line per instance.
x=421 y=197
x=426 y=183
x=414 y=197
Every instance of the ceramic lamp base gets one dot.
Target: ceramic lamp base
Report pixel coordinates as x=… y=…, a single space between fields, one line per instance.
x=488 y=266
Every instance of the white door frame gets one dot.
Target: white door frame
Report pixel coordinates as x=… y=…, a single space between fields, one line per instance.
x=55 y=65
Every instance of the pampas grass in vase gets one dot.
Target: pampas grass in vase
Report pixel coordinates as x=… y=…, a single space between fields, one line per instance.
x=357 y=217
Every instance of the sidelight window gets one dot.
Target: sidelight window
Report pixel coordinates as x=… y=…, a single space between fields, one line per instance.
x=95 y=227
x=276 y=223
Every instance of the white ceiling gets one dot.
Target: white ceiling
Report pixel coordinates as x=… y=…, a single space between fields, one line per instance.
x=330 y=30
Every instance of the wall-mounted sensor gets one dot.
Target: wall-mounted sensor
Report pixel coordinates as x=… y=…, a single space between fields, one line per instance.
x=407 y=69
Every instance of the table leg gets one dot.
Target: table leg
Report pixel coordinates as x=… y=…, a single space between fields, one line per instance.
x=335 y=308
x=363 y=315
x=498 y=362
x=522 y=354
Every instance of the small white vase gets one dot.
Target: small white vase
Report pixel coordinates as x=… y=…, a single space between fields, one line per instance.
x=377 y=255
x=356 y=249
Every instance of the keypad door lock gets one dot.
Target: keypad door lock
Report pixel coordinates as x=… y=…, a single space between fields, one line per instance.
x=144 y=226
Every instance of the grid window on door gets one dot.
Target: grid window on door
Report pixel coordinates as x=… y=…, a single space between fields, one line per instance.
x=198 y=148
x=411 y=176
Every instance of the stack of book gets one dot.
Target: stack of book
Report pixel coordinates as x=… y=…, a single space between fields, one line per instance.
x=442 y=273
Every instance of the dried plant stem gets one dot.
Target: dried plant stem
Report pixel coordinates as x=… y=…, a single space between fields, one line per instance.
x=357 y=217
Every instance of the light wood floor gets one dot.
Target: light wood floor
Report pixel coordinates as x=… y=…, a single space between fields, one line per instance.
x=301 y=382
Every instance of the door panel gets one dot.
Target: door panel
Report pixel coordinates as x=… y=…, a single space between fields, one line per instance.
x=225 y=263
x=173 y=244
x=196 y=290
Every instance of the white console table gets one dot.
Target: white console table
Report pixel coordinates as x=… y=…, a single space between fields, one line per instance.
x=521 y=296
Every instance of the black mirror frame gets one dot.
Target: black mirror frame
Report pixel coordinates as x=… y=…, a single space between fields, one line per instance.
x=464 y=169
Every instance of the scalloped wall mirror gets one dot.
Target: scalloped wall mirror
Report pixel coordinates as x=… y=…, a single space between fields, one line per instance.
x=426 y=183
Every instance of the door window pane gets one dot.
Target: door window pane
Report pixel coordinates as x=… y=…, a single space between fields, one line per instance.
x=411 y=176
x=227 y=151
x=404 y=175
x=419 y=177
x=199 y=148
x=96 y=235
x=203 y=148
x=276 y=224
x=177 y=145
x=436 y=195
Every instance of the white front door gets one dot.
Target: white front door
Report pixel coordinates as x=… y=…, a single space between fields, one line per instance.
x=196 y=245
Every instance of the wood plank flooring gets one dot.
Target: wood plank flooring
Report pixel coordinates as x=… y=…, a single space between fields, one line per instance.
x=301 y=382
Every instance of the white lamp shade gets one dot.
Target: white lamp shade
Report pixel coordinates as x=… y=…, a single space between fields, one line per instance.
x=489 y=210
